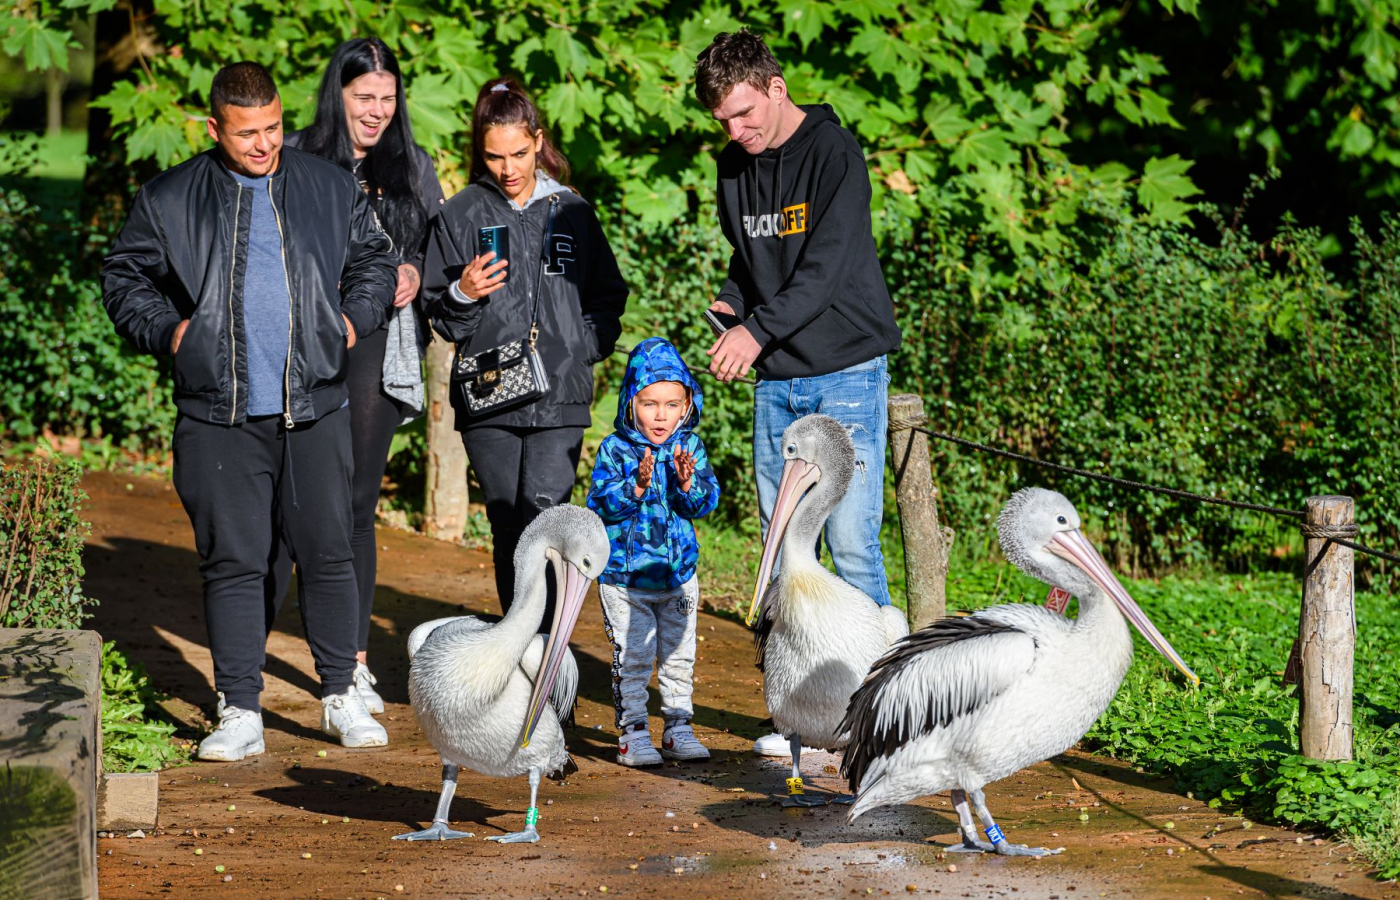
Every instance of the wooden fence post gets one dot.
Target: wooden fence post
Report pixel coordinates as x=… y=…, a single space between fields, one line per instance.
x=445 y=506
x=1327 y=629
x=925 y=544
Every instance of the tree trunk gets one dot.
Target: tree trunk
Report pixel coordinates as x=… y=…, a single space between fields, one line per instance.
x=55 y=80
x=119 y=34
x=445 y=507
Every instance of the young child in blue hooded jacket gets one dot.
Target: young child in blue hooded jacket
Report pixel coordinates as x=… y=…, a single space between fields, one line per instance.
x=651 y=479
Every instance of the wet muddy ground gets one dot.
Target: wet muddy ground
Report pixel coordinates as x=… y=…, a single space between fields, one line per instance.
x=298 y=824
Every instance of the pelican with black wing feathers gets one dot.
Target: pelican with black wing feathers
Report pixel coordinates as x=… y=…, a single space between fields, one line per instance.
x=967 y=701
x=493 y=697
x=817 y=635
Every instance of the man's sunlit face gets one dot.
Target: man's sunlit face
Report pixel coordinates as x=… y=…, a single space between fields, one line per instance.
x=250 y=138
x=752 y=117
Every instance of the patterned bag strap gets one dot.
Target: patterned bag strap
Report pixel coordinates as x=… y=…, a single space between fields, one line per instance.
x=539 y=275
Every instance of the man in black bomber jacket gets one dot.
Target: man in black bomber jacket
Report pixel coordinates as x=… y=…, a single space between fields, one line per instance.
x=255 y=267
x=809 y=304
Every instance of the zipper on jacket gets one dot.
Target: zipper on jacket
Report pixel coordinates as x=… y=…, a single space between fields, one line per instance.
x=291 y=315
x=232 y=337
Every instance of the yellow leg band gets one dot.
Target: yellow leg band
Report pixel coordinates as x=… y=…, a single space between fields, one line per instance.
x=795 y=787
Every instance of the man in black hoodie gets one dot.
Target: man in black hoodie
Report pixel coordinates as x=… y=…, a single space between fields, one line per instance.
x=812 y=313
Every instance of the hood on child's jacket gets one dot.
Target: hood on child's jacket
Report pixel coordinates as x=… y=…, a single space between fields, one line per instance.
x=653 y=360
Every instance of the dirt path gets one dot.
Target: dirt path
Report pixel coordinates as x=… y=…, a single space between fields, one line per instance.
x=698 y=830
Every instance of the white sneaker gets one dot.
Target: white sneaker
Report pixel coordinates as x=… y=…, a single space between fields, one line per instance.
x=344 y=716
x=239 y=734
x=364 y=683
x=776 y=745
x=634 y=747
x=679 y=742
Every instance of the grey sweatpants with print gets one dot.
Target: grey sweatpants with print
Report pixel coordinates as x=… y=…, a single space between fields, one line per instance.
x=648 y=627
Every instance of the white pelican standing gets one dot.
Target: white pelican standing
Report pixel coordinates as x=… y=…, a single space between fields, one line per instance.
x=480 y=689
x=817 y=635
x=967 y=701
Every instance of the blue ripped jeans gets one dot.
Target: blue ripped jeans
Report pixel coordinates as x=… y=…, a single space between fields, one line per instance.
x=855 y=397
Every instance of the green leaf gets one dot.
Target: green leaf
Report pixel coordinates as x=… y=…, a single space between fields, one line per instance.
x=570 y=55
x=43 y=47
x=1164 y=185
x=945 y=120
x=984 y=148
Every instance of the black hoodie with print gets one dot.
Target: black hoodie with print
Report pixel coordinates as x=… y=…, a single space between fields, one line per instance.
x=805 y=274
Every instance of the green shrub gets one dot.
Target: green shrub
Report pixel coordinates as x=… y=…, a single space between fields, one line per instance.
x=41 y=546
x=131 y=740
x=66 y=370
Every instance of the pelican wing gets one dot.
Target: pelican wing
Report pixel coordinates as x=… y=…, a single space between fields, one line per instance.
x=927 y=680
x=419 y=636
x=763 y=625
x=565 y=691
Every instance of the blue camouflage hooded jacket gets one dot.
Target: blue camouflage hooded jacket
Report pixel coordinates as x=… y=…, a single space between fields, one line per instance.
x=653 y=542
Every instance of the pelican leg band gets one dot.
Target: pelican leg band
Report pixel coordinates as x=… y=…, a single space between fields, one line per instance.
x=532 y=815
x=794 y=786
x=994 y=834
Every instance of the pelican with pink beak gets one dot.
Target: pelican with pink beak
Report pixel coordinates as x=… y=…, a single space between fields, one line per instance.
x=970 y=700
x=817 y=635
x=493 y=697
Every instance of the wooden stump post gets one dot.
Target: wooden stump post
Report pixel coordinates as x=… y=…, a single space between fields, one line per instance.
x=925 y=544
x=445 y=506
x=1327 y=630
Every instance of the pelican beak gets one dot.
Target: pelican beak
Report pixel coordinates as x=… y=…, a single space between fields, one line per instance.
x=1074 y=547
x=798 y=476
x=572 y=587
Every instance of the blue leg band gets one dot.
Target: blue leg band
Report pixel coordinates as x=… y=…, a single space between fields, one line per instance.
x=994 y=834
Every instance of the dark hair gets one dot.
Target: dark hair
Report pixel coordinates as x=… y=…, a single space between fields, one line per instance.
x=244 y=84
x=730 y=60
x=503 y=102
x=390 y=168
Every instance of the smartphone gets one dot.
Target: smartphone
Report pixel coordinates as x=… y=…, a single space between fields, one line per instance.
x=720 y=322
x=494 y=239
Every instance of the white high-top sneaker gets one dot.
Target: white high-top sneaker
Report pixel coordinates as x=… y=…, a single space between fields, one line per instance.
x=634 y=747
x=344 y=716
x=238 y=734
x=679 y=742
x=364 y=683
x=776 y=745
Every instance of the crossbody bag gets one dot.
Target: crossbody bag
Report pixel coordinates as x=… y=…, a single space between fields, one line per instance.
x=511 y=374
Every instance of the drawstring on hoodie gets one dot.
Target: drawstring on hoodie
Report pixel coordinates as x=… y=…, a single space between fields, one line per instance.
x=287 y=457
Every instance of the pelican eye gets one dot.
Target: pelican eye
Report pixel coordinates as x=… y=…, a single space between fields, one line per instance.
x=791 y=449
x=1061 y=520
x=587 y=563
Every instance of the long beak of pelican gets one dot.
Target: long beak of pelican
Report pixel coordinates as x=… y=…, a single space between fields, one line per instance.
x=798 y=476
x=573 y=587
x=1074 y=547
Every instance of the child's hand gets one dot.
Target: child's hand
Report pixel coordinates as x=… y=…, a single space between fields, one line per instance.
x=685 y=468
x=644 y=470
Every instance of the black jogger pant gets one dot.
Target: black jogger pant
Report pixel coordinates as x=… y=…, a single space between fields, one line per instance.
x=244 y=488
x=374 y=416
x=522 y=472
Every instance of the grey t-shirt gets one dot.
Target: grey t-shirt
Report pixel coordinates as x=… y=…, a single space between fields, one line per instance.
x=267 y=305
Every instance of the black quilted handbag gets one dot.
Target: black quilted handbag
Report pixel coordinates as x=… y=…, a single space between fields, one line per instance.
x=511 y=374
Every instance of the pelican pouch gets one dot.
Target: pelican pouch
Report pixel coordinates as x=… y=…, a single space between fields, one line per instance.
x=511 y=374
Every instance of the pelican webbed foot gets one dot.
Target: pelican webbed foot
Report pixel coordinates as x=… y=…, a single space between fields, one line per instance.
x=970 y=846
x=528 y=836
x=438 y=831
x=797 y=793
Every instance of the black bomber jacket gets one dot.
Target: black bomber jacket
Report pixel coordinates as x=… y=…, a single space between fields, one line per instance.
x=582 y=296
x=183 y=252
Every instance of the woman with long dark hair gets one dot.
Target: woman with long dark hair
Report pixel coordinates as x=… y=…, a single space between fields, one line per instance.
x=362 y=124
x=558 y=274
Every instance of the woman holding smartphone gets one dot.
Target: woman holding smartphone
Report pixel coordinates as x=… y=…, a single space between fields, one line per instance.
x=362 y=124
x=524 y=456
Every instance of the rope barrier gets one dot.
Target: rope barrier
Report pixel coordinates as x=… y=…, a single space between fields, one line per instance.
x=1123 y=482
x=1337 y=534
